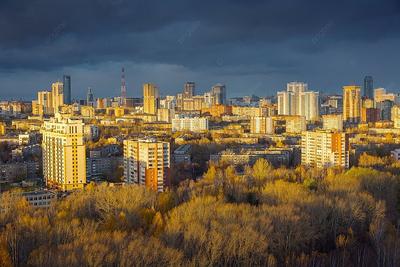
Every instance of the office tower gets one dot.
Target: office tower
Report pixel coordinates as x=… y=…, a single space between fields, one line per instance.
x=261 y=125
x=57 y=96
x=150 y=99
x=67 y=89
x=385 y=108
x=368 y=87
x=188 y=90
x=123 y=88
x=324 y=149
x=64 y=153
x=218 y=93
x=396 y=116
x=195 y=124
x=147 y=162
x=90 y=97
x=332 y=122
x=309 y=105
x=351 y=104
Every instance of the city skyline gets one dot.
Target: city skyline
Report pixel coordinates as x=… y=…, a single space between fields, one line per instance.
x=254 y=47
x=81 y=93
x=199 y=133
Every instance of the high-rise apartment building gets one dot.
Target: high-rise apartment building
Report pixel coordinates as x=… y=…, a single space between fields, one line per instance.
x=324 y=149
x=297 y=100
x=45 y=103
x=147 y=162
x=284 y=103
x=309 y=105
x=67 y=89
x=351 y=104
x=188 y=90
x=57 y=95
x=150 y=99
x=369 y=87
x=296 y=88
x=64 y=153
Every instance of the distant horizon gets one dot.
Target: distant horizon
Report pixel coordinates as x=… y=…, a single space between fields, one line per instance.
x=162 y=94
x=251 y=47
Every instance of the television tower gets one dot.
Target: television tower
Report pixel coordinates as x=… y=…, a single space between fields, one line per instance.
x=123 y=87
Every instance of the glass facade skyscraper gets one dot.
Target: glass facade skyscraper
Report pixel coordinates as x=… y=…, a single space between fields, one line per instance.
x=369 y=87
x=67 y=89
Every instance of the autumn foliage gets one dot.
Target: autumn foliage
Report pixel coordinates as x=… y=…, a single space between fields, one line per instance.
x=260 y=216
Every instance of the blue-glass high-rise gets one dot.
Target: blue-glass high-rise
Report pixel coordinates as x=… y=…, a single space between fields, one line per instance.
x=369 y=87
x=67 y=89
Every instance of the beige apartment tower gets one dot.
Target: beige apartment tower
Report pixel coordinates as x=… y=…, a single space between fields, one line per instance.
x=324 y=149
x=57 y=92
x=64 y=154
x=147 y=162
x=150 y=99
x=352 y=104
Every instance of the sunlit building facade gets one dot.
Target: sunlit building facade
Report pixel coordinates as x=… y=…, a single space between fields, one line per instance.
x=325 y=149
x=64 y=153
x=351 y=104
x=147 y=162
x=150 y=99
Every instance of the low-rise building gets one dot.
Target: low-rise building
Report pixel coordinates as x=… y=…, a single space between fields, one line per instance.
x=13 y=172
x=396 y=154
x=275 y=156
x=332 y=122
x=40 y=199
x=261 y=125
x=195 y=124
x=183 y=154
x=101 y=167
x=2 y=128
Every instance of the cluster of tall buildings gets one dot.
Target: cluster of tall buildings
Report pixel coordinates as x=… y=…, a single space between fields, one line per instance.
x=297 y=112
x=297 y=100
x=50 y=102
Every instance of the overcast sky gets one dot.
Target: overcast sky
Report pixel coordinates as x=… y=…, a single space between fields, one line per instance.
x=254 y=47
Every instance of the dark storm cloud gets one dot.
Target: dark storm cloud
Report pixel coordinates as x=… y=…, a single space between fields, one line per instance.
x=238 y=37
